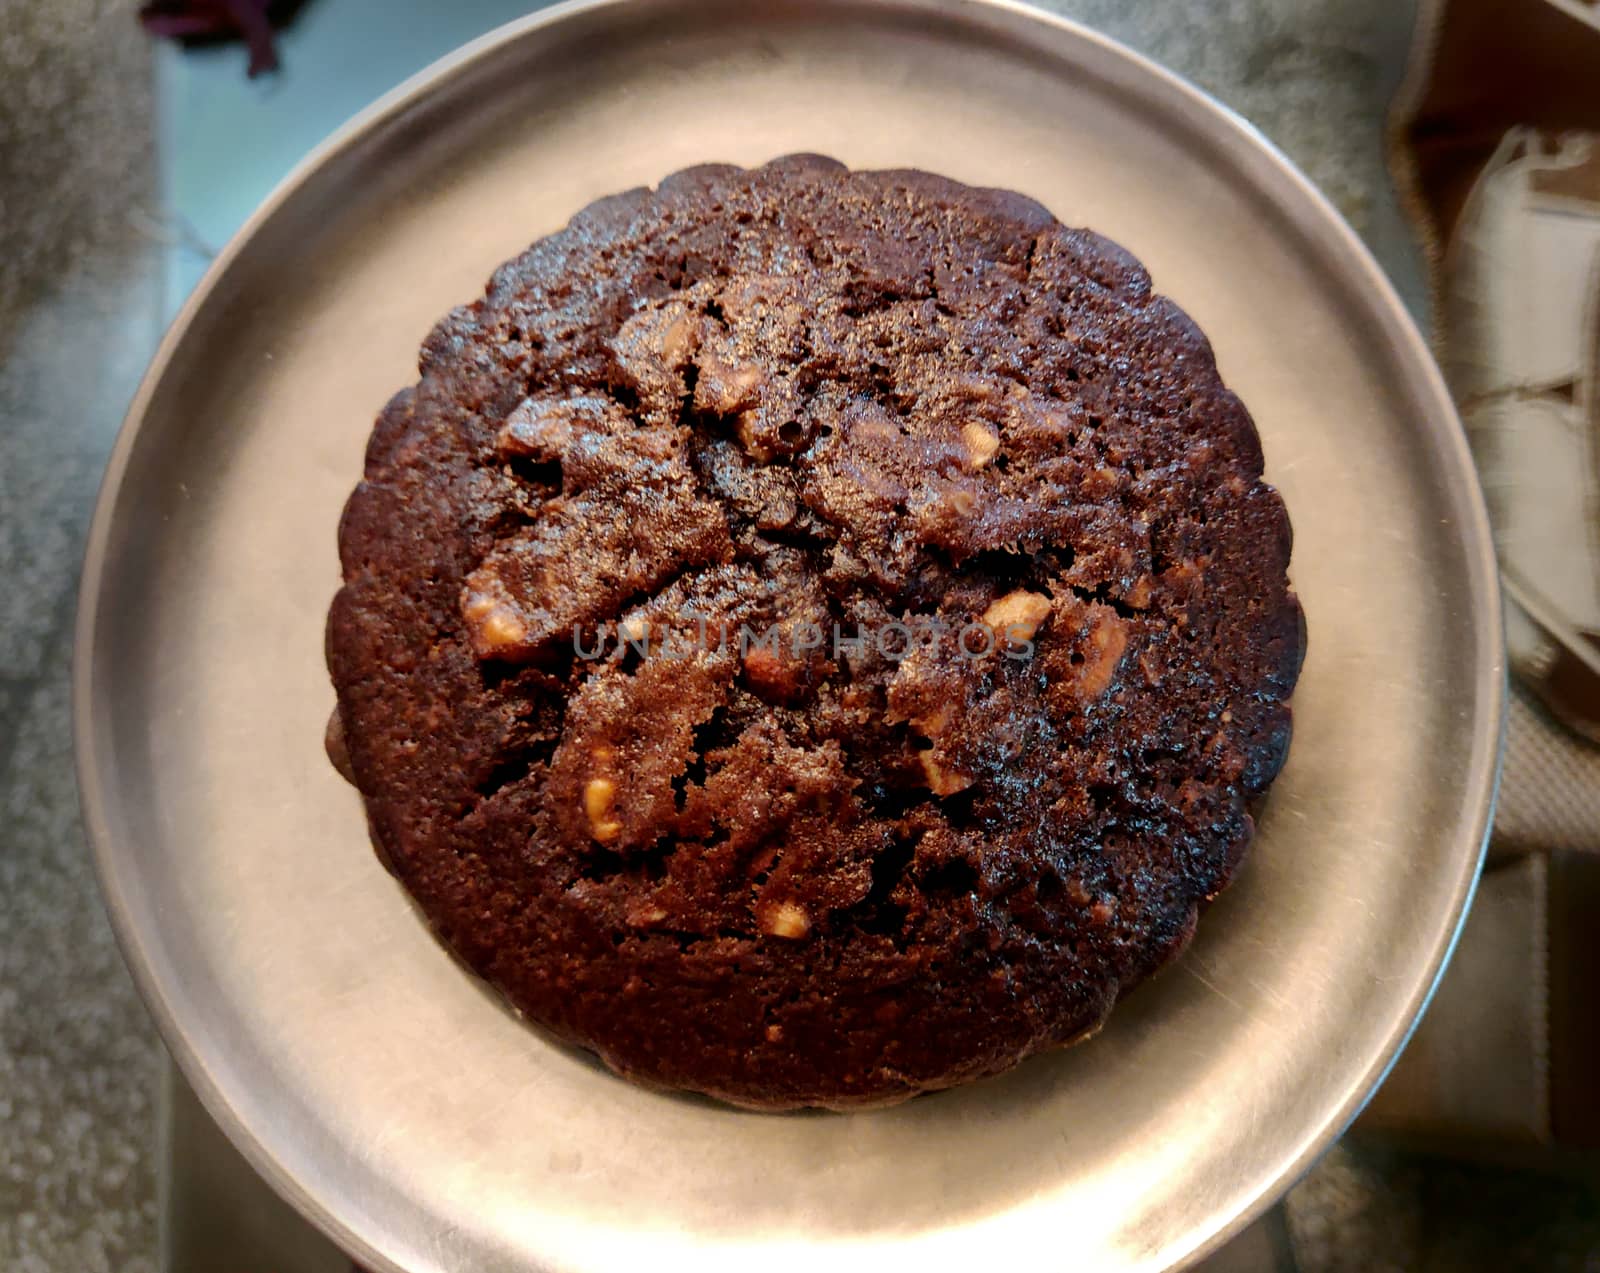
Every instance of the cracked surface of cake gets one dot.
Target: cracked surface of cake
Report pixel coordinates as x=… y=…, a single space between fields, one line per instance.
x=811 y=636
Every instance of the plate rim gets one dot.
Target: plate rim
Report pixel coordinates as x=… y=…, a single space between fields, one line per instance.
x=1482 y=772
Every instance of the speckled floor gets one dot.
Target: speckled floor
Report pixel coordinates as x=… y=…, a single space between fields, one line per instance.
x=81 y=258
x=79 y=308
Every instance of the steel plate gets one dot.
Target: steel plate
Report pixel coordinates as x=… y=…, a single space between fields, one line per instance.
x=390 y=1096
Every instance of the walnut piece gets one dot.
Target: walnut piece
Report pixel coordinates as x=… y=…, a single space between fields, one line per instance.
x=981 y=443
x=1017 y=615
x=492 y=625
x=942 y=781
x=1108 y=642
x=681 y=339
x=600 y=799
x=724 y=389
x=634 y=630
x=961 y=501
x=786 y=920
x=934 y=723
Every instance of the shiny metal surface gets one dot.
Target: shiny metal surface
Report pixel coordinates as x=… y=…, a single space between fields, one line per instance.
x=390 y=1096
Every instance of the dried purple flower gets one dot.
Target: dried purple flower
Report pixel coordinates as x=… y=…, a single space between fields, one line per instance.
x=202 y=21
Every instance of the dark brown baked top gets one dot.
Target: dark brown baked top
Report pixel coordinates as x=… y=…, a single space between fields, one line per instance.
x=662 y=660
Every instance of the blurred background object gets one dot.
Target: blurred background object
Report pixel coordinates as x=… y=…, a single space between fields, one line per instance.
x=125 y=164
x=1495 y=147
x=201 y=21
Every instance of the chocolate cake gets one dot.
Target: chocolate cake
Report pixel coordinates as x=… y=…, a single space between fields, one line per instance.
x=813 y=637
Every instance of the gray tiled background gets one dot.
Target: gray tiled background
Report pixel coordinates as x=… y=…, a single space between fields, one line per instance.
x=121 y=169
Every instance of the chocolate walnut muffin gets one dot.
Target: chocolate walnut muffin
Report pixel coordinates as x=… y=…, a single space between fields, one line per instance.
x=811 y=636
